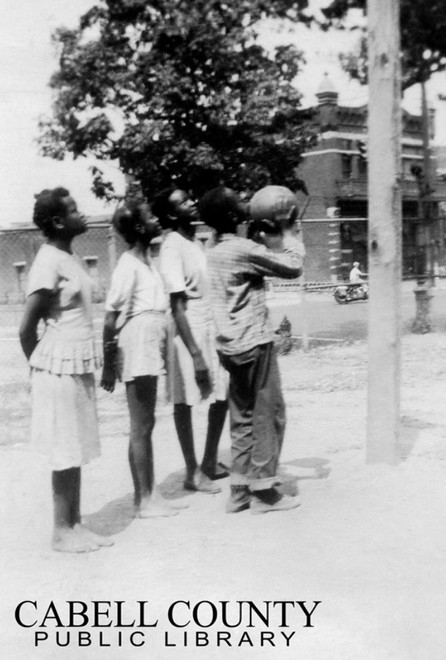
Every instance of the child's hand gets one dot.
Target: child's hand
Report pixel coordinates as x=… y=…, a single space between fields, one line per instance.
x=108 y=379
x=272 y=241
x=202 y=376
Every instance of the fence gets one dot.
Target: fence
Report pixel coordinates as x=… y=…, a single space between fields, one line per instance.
x=99 y=248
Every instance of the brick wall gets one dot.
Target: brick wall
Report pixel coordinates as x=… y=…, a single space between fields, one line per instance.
x=100 y=251
x=321 y=239
x=18 y=247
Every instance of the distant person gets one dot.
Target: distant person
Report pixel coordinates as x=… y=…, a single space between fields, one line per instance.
x=356 y=276
x=64 y=419
x=134 y=338
x=244 y=334
x=194 y=372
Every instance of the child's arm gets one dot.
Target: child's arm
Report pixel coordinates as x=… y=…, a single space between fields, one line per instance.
x=110 y=345
x=202 y=377
x=286 y=263
x=36 y=308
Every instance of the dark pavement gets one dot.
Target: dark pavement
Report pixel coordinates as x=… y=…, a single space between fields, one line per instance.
x=326 y=319
x=322 y=315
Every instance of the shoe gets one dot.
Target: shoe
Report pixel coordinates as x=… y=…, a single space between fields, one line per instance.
x=239 y=499
x=201 y=483
x=264 y=501
x=221 y=472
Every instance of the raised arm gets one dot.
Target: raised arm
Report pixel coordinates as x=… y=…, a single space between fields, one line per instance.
x=37 y=306
x=284 y=261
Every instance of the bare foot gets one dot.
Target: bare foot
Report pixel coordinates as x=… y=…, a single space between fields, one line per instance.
x=201 y=483
x=98 y=539
x=68 y=540
x=153 y=508
x=214 y=472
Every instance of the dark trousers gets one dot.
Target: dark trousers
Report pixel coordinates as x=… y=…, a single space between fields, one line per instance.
x=257 y=416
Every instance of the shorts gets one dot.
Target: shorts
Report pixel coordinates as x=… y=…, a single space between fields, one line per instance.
x=141 y=346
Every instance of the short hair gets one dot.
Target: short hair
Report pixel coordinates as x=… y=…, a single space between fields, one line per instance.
x=274 y=203
x=356 y=264
x=126 y=219
x=47 y=206
x=220 y=208
x=162 y=207
x=265 y=225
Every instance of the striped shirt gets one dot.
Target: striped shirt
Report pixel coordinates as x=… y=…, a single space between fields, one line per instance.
x=237 y=268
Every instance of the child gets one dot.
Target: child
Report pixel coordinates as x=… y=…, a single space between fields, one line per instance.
x=64 y=419
x=194 y=372
x=244 y=335
x=137 y=304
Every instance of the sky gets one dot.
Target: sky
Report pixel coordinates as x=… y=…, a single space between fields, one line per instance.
x=27 y=60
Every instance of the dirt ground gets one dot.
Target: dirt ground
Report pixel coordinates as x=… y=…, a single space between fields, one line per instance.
x=369 y=542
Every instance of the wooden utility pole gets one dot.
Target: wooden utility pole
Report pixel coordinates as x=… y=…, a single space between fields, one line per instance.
x=384 y=157
x=425 y=279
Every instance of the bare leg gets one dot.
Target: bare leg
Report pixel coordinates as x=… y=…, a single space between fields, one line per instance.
x=216 y=420
x=75 y=513
x=195 y=479
x=182 y=415
x=134 y=473
x=66 y=502
x=87 y=534
x=141 y=399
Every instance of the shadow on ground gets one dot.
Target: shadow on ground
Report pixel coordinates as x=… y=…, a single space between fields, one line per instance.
x=312 y=467
x=113 y=518
x=409 y=431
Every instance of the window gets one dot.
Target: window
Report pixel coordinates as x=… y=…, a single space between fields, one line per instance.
x=362 y=167
x=347 y=168
x=20 y=267
x=92 y=265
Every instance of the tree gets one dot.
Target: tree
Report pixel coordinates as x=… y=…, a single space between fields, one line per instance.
x=180 y=91
x=423 y=46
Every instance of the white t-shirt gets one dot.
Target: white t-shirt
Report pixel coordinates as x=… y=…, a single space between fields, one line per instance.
x=62 y=273
x=355 y=275
x=136 y=287
x=183 y=266
x=67 y=345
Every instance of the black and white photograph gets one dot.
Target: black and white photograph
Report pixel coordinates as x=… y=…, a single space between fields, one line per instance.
x=223 y=330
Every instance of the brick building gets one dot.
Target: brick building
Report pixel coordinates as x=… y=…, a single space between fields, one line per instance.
x=335 y=172
x=335 y=222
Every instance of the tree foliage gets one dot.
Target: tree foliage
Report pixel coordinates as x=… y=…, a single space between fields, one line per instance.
x=179 y=91
x=423 y=43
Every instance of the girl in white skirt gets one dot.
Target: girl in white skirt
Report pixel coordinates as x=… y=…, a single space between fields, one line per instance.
x=136 y=313
x=64 y=419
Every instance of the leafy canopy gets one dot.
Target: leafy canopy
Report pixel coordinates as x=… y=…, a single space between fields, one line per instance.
x=423 y=43
x=179 y=91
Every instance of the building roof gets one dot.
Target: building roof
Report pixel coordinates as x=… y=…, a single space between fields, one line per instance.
x=327 y=93
x=326 y=85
